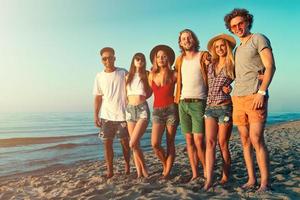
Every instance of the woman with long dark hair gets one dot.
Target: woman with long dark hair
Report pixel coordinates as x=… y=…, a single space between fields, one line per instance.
x=137 y=111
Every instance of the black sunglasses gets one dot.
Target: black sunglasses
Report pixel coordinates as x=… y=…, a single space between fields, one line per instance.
x=107 y=58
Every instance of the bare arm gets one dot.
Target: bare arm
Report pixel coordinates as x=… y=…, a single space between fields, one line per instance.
x=268 y=61
x=97 y=107
x=267 y=58
x=150 y=79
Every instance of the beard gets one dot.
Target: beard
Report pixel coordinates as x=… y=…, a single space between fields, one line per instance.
x=191 y=48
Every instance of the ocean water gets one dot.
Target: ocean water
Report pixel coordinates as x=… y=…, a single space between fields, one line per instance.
x=30 y=141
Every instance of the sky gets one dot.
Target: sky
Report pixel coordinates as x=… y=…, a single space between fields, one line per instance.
x=49 y=49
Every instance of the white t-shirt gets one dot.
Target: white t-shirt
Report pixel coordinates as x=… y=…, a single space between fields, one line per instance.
x=111 y=86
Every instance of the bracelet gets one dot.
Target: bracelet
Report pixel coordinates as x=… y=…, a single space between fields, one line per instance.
x=262 y=92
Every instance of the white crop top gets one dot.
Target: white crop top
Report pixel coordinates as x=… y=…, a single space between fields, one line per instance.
x=136 y=87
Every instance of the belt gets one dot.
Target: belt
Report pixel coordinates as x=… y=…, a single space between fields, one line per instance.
x=189 y=100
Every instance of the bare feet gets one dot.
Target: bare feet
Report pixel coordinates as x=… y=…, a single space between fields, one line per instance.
x=263 y=189
x=223 y=181
x=145 y=173
x=193 y=178
x=249 y=185
x=109 y=175
x=207 y=186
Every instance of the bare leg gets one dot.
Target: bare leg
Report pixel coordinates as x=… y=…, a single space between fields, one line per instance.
x=131 y=126
x=109 y=155
x=126 y=154
x=170 y=157
x=200 y=148
x=136 y=135
x=211 y=128
x=248 y=156
x=191 y=154
x=257 y=140
x=156 y=137
x=224 y=136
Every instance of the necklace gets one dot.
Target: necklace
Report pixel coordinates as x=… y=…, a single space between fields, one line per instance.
x=245 y=42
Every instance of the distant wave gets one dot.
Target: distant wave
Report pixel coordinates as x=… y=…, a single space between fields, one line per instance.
x=67 y=146
x=12 y=142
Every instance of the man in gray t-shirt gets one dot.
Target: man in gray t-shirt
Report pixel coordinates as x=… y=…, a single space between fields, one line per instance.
x=252 y=57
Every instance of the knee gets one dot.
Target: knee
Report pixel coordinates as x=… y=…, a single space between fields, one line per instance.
x=200 y=143
x=210 y=144
x=134 y=146
x=155 y=146
x=256 y=141
x=223 y=145
x=246 y=142
x=171 y=143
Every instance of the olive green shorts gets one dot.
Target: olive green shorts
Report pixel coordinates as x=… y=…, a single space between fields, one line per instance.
x=191 y=116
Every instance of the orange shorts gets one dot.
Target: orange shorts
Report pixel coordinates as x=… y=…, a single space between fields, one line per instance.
x=243 y=114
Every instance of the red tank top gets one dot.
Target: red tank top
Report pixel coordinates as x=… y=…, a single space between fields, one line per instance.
x=163 y=95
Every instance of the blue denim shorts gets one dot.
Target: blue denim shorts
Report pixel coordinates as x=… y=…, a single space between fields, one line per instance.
x=136 y=112
x=222 y=114
x=166 y=115
x=111 y=128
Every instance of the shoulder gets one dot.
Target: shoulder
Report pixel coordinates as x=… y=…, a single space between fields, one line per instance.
x=260 y=41
x=98 y=75
x=150 y=76
x=259 y=37
x=174 y=75
x=178 y=60
x=121 y=70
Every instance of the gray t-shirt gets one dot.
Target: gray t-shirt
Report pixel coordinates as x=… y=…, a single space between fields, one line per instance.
x=248 y=64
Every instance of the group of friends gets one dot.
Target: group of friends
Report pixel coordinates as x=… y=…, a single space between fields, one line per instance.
x=196 y=94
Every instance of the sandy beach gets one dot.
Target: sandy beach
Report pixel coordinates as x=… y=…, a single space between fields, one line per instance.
x=85 y=180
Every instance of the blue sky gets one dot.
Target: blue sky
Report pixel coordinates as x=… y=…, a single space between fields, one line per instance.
x=49 y=49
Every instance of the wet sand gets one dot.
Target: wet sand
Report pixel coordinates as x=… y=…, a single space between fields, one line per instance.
x=86 y=180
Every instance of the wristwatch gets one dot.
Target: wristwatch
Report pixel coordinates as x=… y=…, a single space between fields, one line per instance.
x=262 y=92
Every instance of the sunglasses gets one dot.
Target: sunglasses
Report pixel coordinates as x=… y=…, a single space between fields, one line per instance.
x=107 y=58
x=138 y=59
x=236 y=26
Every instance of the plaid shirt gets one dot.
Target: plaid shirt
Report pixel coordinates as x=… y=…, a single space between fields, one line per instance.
x=216 y=96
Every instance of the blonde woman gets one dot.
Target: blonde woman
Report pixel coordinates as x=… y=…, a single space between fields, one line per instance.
x=165 y=116
x=218 y=113
x=137 y=111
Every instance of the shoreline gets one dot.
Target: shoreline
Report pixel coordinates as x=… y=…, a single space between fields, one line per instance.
x=84 y=179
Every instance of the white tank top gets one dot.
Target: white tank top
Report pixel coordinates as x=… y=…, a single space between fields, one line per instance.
x=136 y=87
x=192 y=81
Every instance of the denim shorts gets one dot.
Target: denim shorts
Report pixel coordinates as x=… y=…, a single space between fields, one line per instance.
x=222 y=114
x=111 y=128
x=134 y=113
x=166 y=115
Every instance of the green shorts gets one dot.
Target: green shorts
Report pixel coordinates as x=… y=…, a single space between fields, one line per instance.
x=191 y=116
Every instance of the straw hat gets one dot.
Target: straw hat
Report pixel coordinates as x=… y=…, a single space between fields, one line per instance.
x=169 y=51
x=230 y=39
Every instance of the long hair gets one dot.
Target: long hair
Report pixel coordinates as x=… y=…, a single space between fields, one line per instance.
x=156 y=69
x=229 y=61
x=143 y=73
x=204 y=57
x=197 y=43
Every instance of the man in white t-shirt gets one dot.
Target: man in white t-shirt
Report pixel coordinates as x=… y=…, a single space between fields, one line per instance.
x=110 y=101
